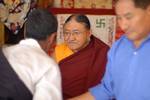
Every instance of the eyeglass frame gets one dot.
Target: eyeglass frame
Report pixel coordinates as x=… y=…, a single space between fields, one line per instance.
x=73 y=32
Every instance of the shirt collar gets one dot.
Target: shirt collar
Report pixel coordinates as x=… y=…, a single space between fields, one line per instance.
x=30 y=42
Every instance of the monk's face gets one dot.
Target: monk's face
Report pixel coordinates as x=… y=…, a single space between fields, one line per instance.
x=76 y=36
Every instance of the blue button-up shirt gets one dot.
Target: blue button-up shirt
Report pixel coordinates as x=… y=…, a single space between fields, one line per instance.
x=127 y=74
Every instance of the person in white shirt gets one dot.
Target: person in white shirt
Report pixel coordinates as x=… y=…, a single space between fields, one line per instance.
x=26 y=71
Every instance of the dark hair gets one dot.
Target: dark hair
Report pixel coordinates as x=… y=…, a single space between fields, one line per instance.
x=81 y=18
x=40 y=24
x=140 y=3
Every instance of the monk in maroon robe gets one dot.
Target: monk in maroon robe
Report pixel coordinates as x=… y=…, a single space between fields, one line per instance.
x=82 y=57
x=83 y=69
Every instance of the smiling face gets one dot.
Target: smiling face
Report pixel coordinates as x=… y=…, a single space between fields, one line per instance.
x=76 y=35
x=135 y=22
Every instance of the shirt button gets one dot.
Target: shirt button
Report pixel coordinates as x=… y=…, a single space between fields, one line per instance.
x=135 y=53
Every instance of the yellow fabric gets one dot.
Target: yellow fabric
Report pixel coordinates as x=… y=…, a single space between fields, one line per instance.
x=1 y=34
x=62 y=51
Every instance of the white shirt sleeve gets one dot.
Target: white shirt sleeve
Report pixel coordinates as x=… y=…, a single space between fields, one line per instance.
x=49 y=87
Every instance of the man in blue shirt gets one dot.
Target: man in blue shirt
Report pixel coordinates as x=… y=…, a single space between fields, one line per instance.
x=128 y=68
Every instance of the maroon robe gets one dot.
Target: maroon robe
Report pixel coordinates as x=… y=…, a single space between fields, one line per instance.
x=83 y=69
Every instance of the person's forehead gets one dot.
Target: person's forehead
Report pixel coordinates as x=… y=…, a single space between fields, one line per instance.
x=128 y=2
x=124 y=0
x=124 y=6
x=74 y=24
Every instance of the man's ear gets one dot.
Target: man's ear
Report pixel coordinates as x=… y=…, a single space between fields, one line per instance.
x=90 y=33
x=148 y=9
x=51 y=43
x=52 y=38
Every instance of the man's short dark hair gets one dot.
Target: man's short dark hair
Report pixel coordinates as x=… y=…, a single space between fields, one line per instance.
x=40 y=24
x=142 y=3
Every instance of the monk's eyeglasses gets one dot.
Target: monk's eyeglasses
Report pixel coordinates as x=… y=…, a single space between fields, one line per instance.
x=73 y=33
